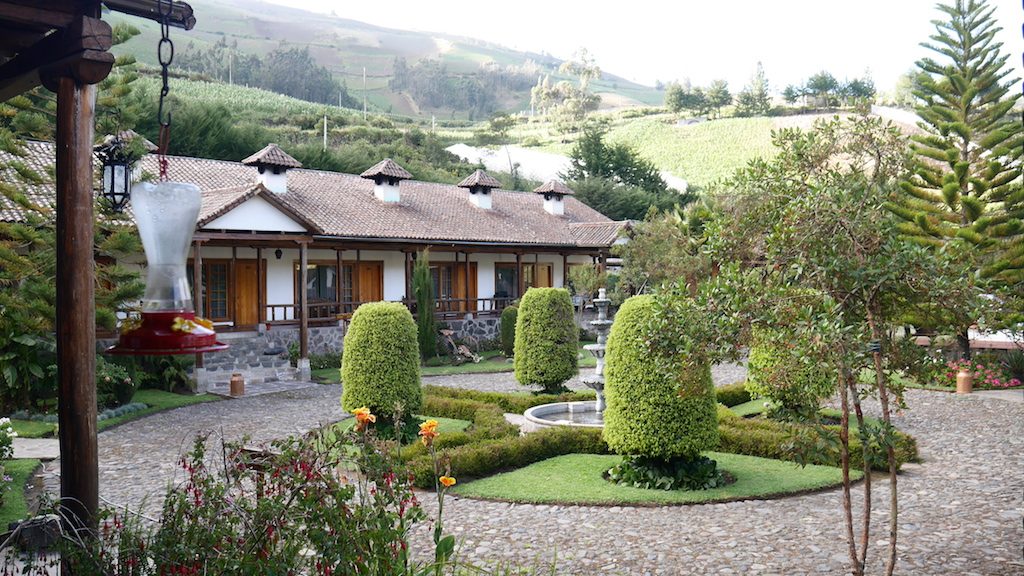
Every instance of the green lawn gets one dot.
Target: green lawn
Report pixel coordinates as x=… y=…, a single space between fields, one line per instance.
x=156 y=400
x=750 y=408
x=15 y=507
x=577 y=479
x=492 y=362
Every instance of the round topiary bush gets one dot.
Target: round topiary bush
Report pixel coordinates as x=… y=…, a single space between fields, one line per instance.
x=546 y=339
x=380 y=367
x=508 y=330
x=653 y=413
x=773 y=373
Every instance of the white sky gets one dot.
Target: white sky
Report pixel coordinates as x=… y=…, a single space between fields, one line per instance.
x=645 y=40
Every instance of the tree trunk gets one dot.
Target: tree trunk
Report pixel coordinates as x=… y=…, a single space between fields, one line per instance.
x=883 y=398
x=844 y=459
x=963 y=341
x=865 y=537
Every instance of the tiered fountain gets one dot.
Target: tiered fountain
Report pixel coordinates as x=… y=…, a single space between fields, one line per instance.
x=585 y=414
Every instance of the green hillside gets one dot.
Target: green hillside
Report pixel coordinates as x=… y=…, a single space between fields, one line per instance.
x=345 y=47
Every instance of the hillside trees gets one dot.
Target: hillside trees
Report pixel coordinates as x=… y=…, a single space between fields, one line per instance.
x=568 y=104
x=718 y=95
x=754 y=99
x=966 y=184
x=823 y=89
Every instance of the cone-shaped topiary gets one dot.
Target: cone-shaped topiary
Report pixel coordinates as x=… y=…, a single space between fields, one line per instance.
x=651 y=412
x=773 y=373
x=508 y=330
x=546 y=339
x=380 y=367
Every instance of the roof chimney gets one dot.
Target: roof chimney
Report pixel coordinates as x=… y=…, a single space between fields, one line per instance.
x=480 y=184
x=386 y=176
x=554 y=196
x=273 y=165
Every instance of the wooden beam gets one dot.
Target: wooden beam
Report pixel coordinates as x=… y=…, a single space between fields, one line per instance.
x=469 y=305
x=303 y=301
x=565 y=270
x=261 y=310
x=408 y=277
x=182 y=15
x=38 y=16
x=519 y=274
x=76 y=316
x=79 y=51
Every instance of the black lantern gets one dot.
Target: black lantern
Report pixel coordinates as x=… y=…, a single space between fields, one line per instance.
x=116 y=181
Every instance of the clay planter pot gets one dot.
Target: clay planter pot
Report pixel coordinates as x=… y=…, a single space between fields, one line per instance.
x=237 y=385
x=964 y=382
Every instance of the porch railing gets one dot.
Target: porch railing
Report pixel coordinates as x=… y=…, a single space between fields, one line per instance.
x=329 y=312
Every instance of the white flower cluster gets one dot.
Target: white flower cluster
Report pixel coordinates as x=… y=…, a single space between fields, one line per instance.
x=7 y=435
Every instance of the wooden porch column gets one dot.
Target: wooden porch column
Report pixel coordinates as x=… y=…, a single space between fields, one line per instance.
x=565 y=270
x=197 y=287
x=75 y=306
x=303 y=301
x=337 y=280
x=261 y=310
x=601 y=264
x=356 y=283
x=408 y=278
x=519 y=274
x=470 y=306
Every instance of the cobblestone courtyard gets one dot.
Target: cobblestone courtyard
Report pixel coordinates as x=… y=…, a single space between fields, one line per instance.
x=961 y=509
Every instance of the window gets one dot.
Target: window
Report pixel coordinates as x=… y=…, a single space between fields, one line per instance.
x=506 y=281
x=215 y=293
x=322 y=289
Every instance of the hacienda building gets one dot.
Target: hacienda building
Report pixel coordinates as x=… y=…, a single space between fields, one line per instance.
x=268 y=228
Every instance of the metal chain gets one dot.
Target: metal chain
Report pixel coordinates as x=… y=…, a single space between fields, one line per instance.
x=165 y=55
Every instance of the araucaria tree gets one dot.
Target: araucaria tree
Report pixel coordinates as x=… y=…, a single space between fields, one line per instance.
x=423 y=288
x=966 y=182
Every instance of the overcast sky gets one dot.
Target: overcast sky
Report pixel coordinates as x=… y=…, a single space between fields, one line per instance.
x=648 y=40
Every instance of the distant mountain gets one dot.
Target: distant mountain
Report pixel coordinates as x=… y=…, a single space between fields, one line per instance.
x=435 y=71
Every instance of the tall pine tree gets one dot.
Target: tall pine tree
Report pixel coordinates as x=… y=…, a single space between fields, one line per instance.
x=966 y=178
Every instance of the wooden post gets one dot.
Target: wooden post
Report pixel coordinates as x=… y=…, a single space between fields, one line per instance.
x=519 y=274
x=356 y=282
x=337 y=280
x=261 y=311
x=408 y=278
x=601 y=264
x=75 y=306
x=303 y=301
x=565 y=270
x=197 y=287
x=470 y=306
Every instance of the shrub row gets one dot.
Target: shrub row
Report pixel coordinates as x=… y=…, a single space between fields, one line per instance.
x=732 y=394
x=515 y=403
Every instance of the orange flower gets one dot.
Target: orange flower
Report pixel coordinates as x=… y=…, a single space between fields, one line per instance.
x=447 y=481
x=428 y=431
x=363 y=417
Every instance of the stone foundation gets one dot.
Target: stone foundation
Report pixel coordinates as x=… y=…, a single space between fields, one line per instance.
x=476 y=331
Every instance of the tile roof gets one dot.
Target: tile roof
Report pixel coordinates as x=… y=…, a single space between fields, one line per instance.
x=219 y=202
x=554 y=187
x=343 y=205
x=387 y=167
x=479 y=178
x=272 y=155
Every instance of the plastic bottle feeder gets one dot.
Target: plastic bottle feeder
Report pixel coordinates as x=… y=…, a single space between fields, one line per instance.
x=166 y=214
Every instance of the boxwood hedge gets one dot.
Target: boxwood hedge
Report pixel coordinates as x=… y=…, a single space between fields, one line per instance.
x=508 y=330
x=380 y=368
x=651 y=411
x=546 y=339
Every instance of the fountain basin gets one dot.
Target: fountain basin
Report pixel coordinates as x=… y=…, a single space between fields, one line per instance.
x=577 y=414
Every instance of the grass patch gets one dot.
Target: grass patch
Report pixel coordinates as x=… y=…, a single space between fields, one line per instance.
x=32 y=428
x=578 y=479
x=157 y=401
x=750 y=408
x=15 y=506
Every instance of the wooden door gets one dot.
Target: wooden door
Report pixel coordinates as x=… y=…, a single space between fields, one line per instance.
x=542 y=276
x=246 y=294
x=371 y=282
x=460 y=286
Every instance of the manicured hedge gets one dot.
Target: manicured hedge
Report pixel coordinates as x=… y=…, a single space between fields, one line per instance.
x=732 y=394
x=653 y=411
x=515 y=403
x=773 y=374
x=380 y=367
x=508 y=330
x=546 y=339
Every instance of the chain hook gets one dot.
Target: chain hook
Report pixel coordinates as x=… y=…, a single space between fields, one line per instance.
x=165 y=56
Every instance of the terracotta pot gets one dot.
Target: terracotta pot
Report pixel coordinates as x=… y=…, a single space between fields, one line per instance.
x=237 y=386
x=964 y=382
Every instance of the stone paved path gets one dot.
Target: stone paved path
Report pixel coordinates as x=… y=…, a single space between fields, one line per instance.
x=961 y=509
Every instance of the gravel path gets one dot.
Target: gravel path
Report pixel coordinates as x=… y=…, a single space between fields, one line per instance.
x=961 y=510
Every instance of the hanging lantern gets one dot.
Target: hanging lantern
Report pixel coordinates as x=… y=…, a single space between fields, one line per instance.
x=166 y=214
x=117 y=176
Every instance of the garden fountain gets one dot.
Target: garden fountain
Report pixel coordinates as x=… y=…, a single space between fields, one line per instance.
x=584 y=414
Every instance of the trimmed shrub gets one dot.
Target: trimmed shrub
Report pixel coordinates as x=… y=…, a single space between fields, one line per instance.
x=114 y=385
x=516 y=403
x=508 y=330
x=380 y=368
x=793 y=387
x=546 y=339
x=653 y=412
x=732 y=394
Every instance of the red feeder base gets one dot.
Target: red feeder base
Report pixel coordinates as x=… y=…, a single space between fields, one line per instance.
x=156 y=337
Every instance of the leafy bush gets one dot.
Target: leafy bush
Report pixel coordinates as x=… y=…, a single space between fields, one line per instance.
x=508 y=330
x=653 y=411
x=674 y=474
x=1014 y=364
x=733 y=394
x=988 y=375
x=380 y=367
x=114 y=385
x=546 y=339
x=795 y=388
x=170 y=373
x=324 y=361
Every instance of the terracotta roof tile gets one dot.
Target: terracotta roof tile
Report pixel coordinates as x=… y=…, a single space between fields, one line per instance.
x=343 y=205
x=272 y=155
x=387 y=167
x=479 y=178
x=554 y=187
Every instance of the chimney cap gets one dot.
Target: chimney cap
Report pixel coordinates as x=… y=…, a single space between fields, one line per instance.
x=272 y=155
x=389 y=168
x=479 y=179
x=554 y=187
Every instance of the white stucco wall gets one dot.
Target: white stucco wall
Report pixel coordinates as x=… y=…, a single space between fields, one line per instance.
x=258 y=215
